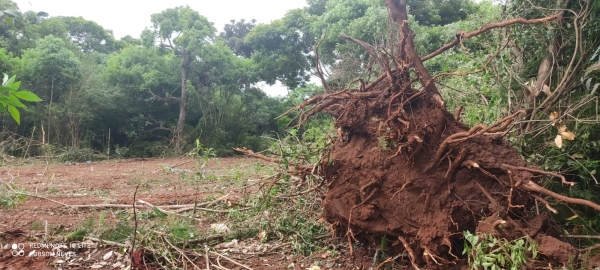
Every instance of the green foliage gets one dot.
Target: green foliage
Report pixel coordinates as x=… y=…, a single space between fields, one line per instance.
x=440 y=12
x=306 y=147
x=51 y=68
x=234 y=35
x=80 y=155
x=280 y=49
x=203 y=154
x=8 y=198
x=490 y=252
x=11 y=96
x=591 y=78
x=183 y=28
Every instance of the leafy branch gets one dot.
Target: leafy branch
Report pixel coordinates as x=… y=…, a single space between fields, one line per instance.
x=11 y=96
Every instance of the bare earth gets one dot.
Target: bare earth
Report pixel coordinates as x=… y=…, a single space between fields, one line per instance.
x=161 y=182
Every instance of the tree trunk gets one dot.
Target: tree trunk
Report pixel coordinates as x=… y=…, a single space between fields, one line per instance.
x=185 y=65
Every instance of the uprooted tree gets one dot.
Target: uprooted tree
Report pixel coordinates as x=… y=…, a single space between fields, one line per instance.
x=405 y=167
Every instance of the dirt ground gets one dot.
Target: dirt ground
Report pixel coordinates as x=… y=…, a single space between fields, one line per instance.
x=42 y=216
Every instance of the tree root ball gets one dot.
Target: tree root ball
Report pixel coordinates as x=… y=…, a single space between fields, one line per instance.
x=378 y=183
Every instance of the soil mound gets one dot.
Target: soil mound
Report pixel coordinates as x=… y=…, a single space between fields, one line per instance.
x=404 y=167
x=379 y=181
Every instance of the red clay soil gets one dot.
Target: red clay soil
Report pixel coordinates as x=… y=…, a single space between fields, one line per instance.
x=95 y=183
x=115 y=182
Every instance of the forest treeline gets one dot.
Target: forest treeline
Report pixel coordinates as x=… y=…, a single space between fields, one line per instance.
x=178 y=81
x=183 y=80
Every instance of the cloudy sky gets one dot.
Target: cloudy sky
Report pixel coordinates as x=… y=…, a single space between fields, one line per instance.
x=130 y=17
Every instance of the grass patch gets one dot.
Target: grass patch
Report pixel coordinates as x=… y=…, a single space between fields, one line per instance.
x=8 y=198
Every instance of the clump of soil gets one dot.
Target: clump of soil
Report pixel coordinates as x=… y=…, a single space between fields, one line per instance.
x=404 y=167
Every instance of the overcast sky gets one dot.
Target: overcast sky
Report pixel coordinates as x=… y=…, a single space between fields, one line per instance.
x=130 y=17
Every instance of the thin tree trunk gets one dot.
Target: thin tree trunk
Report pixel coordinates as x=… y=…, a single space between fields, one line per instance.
x=183 y=99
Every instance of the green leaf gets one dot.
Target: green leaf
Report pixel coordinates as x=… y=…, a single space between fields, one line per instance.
x=15 y=86
x=9 y=20
x=14 y=113
x=10 y=81
x=5 y=79
x=27 y=96
x=12 y=100
x=4 y=90
x=158 y=213
x=13 y=13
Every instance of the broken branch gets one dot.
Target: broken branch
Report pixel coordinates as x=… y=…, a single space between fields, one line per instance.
x=463 y=35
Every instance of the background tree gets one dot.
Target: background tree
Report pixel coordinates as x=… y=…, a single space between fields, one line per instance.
x=185 y=32
x=281 y=49
x=235 y=34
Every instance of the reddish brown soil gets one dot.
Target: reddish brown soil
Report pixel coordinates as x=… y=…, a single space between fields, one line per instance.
x=115 y=182
x=378 y=181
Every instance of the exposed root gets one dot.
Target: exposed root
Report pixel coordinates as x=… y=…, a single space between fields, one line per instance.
x=550 y=208
x=412 y=140
x=518 y=168
x=382 y=61
x=433 y=257
x=463 y=136
x=583 y=250
x=436 y=202
x=411 y=253
x=494 y=205
x=531 y=186
x=497 y=225
x=510 y=194
x=343 y=95
x=458 y=112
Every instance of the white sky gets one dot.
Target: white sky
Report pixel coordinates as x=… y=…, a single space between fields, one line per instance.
x=130 y=17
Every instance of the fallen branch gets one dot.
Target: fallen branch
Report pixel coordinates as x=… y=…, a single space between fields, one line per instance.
x=463 y=35
x=257 y=155
x=231 y=260
x=298 y=169
x=135 y=223
x=584 y=236
x=106 y=242
x=590 y=248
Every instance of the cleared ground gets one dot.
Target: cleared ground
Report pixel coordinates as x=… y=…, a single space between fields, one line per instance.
x=67 y=208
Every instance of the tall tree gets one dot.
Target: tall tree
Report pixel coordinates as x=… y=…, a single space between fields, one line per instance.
x=282 y=49
x=89 y=35
x=186 y=33
x=234 y=35
x=144 y=81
